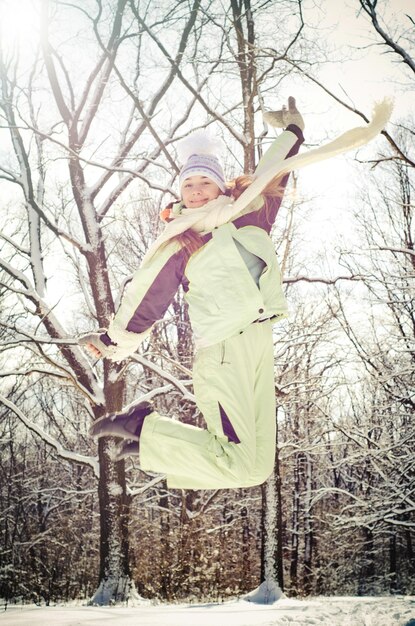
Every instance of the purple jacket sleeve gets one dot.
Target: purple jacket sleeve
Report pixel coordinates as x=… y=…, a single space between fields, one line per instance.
x=159 y=295
x=145 y=299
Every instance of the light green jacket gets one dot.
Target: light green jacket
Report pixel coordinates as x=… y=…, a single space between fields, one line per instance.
x=222 y=295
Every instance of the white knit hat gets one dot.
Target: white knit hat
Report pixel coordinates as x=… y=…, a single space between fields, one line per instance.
x=197 y=152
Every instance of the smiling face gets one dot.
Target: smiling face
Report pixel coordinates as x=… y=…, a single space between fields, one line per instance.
x=198 y=190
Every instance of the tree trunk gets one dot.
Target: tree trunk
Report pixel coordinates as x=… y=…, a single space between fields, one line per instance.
x=271 y=526
x=392 y=564
x=367 y=571
x=308 y=529
x=115 y=584
x=295 y=524
x=246 y=63
x=246 y=535
x=410 y=552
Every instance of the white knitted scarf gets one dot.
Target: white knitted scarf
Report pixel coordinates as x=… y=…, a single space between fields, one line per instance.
x=217 y=212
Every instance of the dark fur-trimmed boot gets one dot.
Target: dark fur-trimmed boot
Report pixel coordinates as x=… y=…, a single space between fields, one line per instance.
x=126 y=425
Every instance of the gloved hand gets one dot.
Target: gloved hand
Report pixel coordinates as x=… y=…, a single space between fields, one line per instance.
x=284 y=117
x=94 y=343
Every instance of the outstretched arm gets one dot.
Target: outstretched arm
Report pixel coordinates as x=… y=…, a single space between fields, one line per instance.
x=285 y=145
x=145 y=300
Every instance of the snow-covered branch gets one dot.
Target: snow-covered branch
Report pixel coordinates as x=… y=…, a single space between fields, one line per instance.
x=179 y=384
x=369 y=6
x=153 y=393
x=61 y=452
x=138 y=491
x=327 y=281
x=175 y=63
x=400 y=250
x=85 y=381
x=113 y=168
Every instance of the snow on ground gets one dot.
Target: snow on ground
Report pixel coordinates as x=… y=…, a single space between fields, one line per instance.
x=334 y=611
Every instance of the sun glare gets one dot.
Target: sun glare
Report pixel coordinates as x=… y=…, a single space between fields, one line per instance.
x=19 y=23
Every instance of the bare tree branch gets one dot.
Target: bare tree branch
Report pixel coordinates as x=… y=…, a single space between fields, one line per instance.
x=401 y=250
x=326 y=281
x=163 y=374
x=175 y=65
x=61 y=452
x=369 y=6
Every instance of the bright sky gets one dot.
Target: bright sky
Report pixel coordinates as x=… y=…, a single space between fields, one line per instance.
x=18 y=22
x=367 y=77
x=372 y=74
x=369 y=73
x=366 y=74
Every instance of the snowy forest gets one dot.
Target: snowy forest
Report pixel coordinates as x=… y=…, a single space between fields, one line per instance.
x=95 y=95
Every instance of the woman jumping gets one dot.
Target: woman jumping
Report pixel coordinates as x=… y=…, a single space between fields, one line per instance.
x=227 y=266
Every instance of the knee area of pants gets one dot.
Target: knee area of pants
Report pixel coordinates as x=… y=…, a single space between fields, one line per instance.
x=242 y=470
x=264 y=476
x=259 y=478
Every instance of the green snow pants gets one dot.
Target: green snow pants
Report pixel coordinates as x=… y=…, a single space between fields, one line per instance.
x=235 y=391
